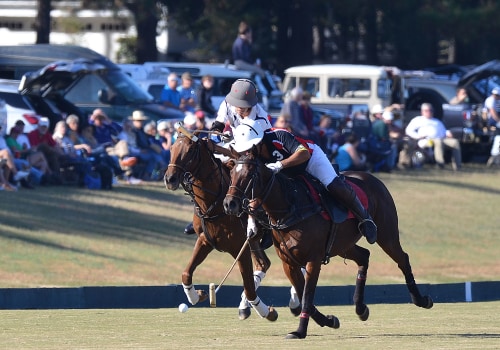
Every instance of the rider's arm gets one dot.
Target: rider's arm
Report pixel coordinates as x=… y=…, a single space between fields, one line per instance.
x=298 y=157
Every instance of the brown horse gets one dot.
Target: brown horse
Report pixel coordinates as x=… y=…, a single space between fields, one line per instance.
x=304 y=237
x=206 y=180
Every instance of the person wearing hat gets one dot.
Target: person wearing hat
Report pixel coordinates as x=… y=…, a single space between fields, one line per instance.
x=492 y=104
x=170 y=96
x=241 y=103
x=187 y=93
x=166 y=138
x=381 y=135
x=145 y=153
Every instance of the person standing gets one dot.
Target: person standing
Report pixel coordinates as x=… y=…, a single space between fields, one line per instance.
x=428 y=131
x=293 y=109
x=242 y=50
x=492 y=104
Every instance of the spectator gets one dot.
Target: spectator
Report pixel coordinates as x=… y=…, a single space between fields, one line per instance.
x=146 y=155
x=204 y=97
x=200 y=124
x=8 y=167
x=25 y=157
x=41 y=139
x=187 y=93
x=492 y=104
x=348 y=157
x=242 y=50
x=105 y=130
x=460 y=97
x=292 y=107
x=329 y=139
x=428 y=131
x=308 y=115
x=166 y=138
x=381 y=135
x=170 y=96
x=282 y=122
x=156 y=147
x=190 y=121
x=130 y=163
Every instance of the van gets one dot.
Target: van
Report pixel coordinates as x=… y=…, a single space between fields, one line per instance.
x=344 y=87
x=78 y=80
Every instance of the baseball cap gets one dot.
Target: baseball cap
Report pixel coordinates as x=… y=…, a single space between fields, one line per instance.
x=377 y=109
x=44 y=121
x=495 y=91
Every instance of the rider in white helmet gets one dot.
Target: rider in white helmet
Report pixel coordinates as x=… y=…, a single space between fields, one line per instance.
x=241 y=103
x=282 y=151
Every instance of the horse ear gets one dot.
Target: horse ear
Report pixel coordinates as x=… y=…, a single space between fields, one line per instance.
x=254 y=150
x=234 y=154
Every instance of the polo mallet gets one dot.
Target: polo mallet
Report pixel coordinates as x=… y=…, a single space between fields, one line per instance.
x=212 y=291
x=180 y=128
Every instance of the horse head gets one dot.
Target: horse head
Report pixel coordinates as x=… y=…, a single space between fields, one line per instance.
x=248 y=178
x=184 y=159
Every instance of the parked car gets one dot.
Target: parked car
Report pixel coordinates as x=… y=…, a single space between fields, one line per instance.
x=18 y=107
x=270 y=96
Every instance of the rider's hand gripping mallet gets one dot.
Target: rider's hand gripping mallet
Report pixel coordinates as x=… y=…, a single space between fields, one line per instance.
x=212 y=291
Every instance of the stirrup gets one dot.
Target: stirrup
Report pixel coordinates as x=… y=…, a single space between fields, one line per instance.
x=371 y=238
x=366 y=220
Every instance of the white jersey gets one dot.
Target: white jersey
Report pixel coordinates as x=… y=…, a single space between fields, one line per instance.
x=227 y=115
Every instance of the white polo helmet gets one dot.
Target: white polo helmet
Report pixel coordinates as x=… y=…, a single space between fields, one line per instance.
x=247 y=134
x=243 y=94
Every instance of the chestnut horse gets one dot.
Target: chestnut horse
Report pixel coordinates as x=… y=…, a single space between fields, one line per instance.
x=206 y=180
x=304 y=237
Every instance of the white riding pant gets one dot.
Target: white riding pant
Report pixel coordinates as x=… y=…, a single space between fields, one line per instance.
x=320 y=166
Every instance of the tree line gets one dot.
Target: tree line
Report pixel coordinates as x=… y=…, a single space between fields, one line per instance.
x=410 y=34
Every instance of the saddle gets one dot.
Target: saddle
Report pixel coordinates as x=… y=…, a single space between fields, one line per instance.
x=332 y=209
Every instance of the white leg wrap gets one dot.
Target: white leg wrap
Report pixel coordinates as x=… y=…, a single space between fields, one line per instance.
x=258 y=276
x=191 y=294
x=294 y=299
x=244 y=301
x=260 y=307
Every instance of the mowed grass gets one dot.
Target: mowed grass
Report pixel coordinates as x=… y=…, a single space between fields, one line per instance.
x=402 y=326
x=65 y=236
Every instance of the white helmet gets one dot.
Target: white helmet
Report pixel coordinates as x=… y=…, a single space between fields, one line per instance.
x=247 y=134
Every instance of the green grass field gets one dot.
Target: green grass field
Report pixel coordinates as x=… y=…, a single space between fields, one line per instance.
x=64 y=236
x=446 y=326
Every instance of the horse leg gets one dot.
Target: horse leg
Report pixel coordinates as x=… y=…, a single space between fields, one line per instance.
x=361 y=256
x=249 y=285
x=308 y=309
x=200 y=252
x=261 y=265
x=396 y=252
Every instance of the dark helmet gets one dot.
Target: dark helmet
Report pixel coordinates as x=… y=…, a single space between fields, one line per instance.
x=243 y=94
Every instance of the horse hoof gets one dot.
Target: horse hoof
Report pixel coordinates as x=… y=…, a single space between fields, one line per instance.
x=294 y=335
x=296 y=310
x=273 y=314
x=243 y=314
x=202 y=295
x=333 y=322
x=364 y=315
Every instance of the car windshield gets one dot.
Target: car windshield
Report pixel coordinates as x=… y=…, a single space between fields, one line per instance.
x=124 y=86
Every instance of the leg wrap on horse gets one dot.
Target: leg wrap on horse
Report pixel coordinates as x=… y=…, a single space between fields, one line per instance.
x=343 y=192
x=191 y=294
x=258 y=276
x=260 y=307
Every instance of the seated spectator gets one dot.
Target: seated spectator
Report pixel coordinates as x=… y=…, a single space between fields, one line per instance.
x=41 y=140
x=382 y=140
x=200 y=124
x=129 y=164
x=329 y=139
x=348 y=157
x=282 y=122
x=460 y=97
x=166 y=138
x=204 y=97
x=155 y=145
x=8 y=167
x=27 y=158
x=429 y=132
x=187 y=93
x=146 y=155
x=89 y=147
x=4 y=184
x=190 y=121
x=170 y=96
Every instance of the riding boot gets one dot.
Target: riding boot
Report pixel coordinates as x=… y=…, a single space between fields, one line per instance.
x=343 y=192
x=189 y=230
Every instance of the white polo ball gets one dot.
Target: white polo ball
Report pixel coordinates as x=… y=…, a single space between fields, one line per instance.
x=183 y=308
